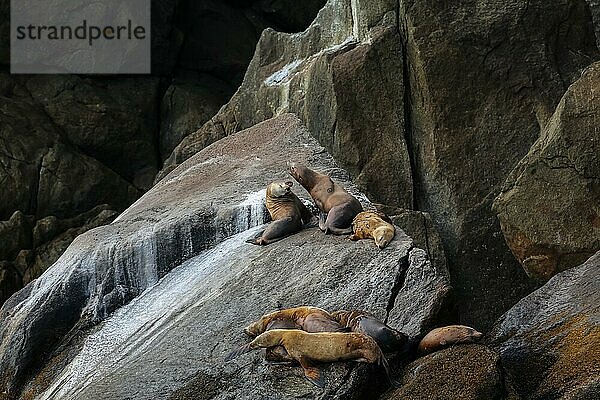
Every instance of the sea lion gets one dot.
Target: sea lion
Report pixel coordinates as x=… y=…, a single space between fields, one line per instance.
x=373 y=225
x=447 y=336
x=309 y=319
x=287 y=212
x=278 y=354
x=308 y=348
x=338 y=207
x=388 y=339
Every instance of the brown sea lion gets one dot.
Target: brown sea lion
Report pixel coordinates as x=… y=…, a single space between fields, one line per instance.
x=373 y=225
x=308 y=348
x=309 y=319
x=287 y=212
x=338 y=207
x=447 y=336
x=388 y=339
x=278 y=354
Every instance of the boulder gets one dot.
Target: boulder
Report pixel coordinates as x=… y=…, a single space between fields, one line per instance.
x=15 y=235
x=158 y=286
x=466 y=372
x=483 y=79
x=549 y=206
x=549 y=342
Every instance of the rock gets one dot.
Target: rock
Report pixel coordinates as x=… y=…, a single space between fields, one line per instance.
x=113 y=120
x=166 y=272
x=349 y=94
x=26 y=134
x=595 y=10
x=4 y=32
x=55 y=242
x=71 y=183
x=483 y=80
x=10 y=281
x=549 y=342
x=187 y=105
x=166 y=37
x=549 y=207
x=466 y=372
x=15 y=234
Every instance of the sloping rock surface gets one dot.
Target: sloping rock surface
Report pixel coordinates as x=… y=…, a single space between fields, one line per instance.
x=549 y=208
x=166 y=304
x=550 y=341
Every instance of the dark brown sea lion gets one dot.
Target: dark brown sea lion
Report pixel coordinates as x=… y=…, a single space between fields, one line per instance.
x=309 y=319
x=338 y=207
x=388 y=339
x=447 y=336
x=373 y=225
x=287 y=212
x=308 y=348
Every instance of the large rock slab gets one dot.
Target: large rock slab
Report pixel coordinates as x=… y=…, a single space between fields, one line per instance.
x=169 y=317
x=549 y=342
x=484 y=79
x=549 y=208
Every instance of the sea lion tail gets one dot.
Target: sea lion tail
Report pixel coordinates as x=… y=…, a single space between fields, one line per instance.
x=238 y=352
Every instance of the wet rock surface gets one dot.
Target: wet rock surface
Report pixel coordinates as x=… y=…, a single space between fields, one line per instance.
x=133 y=279
x=549 y=342
x=548 y=207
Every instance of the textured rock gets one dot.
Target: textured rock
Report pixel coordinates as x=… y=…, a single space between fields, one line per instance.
x=113 y=274
x=549 y=342
x=595 y=10
x=15 y=234
x=110 y=119
x=187 y=105
x=288 y=15
x=348 y=93
x=549 y=208
x=483 y=79
x=467 y=372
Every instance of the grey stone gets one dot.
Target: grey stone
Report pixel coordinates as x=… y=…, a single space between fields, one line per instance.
x=549 y=208
x=549 y=341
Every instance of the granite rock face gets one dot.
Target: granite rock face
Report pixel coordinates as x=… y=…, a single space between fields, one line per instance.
x=549 y=343
x=167 y=272
x=549 y=208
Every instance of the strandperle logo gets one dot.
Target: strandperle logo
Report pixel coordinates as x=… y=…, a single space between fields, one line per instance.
x=81 y=37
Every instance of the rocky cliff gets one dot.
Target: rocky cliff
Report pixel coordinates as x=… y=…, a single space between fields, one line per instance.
x=127 y=200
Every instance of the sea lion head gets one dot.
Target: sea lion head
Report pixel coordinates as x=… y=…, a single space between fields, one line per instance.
x=279 y=188
x=297 y=171
x=256 y=328
x=383 y=236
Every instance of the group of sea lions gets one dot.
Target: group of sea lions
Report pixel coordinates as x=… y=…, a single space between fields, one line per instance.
x=340 y=213
x=310 y=335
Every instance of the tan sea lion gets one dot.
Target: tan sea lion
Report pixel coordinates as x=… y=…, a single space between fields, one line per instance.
x=309 y=319
x=287 y=212
x=447 y=336
x=278 y=354
x=388 y=339
x=373 y=225
x=338 y=207
x=308 y=348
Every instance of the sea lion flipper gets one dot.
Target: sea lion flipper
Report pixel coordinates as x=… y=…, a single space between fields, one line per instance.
x=312 y=373
x=238 y=352
x=256 y=239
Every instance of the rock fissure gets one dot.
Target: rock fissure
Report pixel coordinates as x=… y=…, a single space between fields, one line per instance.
x=403 y=265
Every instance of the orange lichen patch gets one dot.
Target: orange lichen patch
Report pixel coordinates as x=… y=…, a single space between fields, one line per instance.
x=576 y=344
